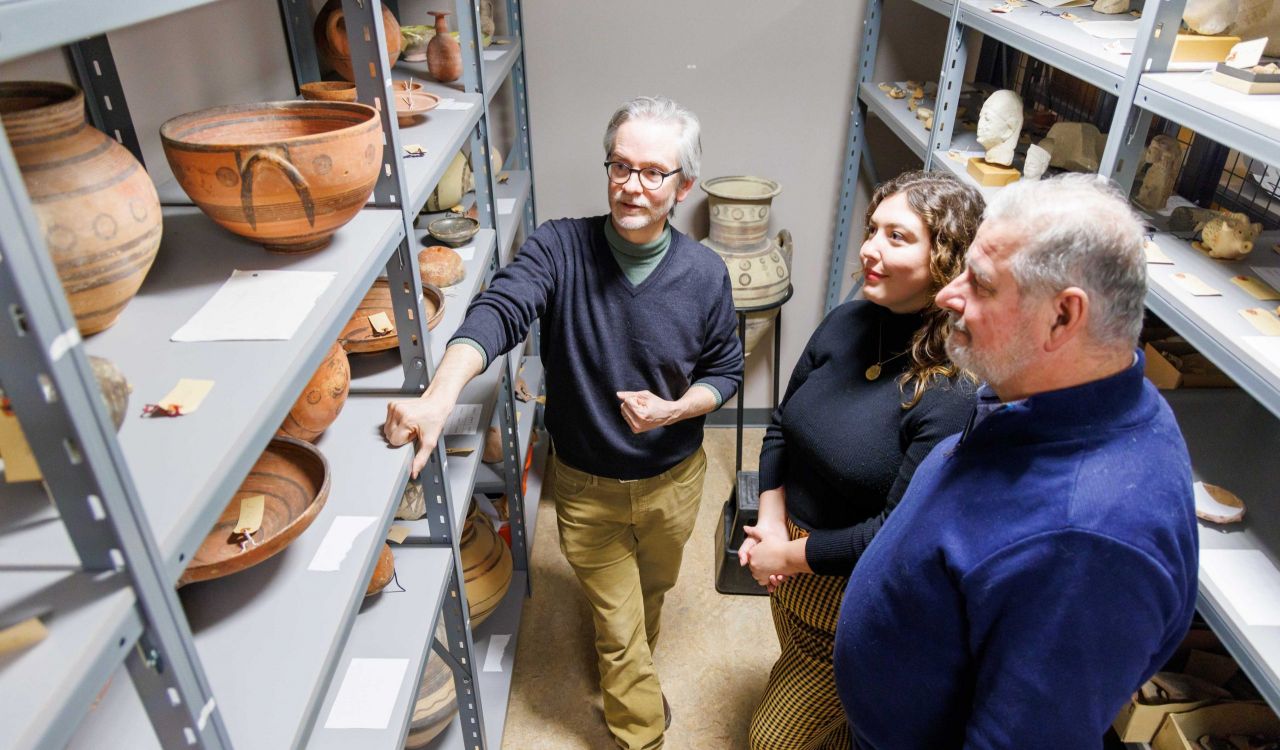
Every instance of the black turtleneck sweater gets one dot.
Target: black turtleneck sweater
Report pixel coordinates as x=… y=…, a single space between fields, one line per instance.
x=843 y=446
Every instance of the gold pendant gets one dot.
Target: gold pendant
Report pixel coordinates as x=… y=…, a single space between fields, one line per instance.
x=873 y=372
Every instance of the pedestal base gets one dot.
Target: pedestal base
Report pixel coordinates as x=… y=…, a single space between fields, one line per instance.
x=991 y=175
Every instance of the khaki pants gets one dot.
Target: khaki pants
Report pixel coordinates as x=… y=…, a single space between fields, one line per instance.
x=625 y=541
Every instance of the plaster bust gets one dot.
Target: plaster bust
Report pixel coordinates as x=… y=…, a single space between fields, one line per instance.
x=1037 y=162
x=999 y=124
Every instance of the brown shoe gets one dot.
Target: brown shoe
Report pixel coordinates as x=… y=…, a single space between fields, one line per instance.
x=666 y=713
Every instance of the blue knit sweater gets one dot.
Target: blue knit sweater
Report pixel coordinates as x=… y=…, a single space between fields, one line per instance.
x=1041 y=566
x=601 y=334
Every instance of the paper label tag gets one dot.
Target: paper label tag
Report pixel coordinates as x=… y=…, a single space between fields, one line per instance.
x=1263 y=320
x=1246 y=54
x=19 y=462
x=1268 y=274
x=381 y=324
x=1194 y=285
x=463 y=420
x=250 y=515
x=187 y=395
x=1256 y=288
x=1155 y=254
x=397 y=534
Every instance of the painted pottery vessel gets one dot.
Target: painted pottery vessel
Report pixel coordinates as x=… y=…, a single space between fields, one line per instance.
x=330 y=32
x=286 y=174
x=444 y=54
x=321 y=400
x=486 y=565
x=97 y=208
x=759 y=265
x=435 y=705
x=383 y=571
x=293 y=478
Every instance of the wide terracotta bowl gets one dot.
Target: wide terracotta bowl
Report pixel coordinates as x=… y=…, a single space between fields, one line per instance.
x=293 y=478
x=358 y=336
x=328 y=91
x=286 y=174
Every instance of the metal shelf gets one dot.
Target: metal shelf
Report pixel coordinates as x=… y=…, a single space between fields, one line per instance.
x=185 y=469
x=937 y=6
x=516 y=188
x=391 y=625
x=899 y=119
x=964 y=146
x=1060 y=43
x=1213 y=324
x=1249 y=124
x=47 y=687
x=489 y=479
x=32 y=535
x=381 y=372
x=117 y=714
x=34 y=25
x=496 y=72
x=1226 y=431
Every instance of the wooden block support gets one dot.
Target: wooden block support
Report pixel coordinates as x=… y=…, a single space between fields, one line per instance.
x=1197 y=48
x=991 y=175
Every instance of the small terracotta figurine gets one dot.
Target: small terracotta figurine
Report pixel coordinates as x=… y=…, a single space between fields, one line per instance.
x=1229 y=236
x=1161 y=161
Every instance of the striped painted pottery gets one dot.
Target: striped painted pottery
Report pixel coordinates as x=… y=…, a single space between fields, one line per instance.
x=286 y=174
x=436 y=703
x=759 y=265
x=97 y=208
x=486 y=565
x=322 y=399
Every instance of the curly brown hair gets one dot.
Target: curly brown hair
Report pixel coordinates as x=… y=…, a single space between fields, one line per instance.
x=951 y=212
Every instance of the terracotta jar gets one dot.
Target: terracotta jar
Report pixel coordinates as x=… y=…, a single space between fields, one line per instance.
x=444 y=54
x=486 y=565
x=435 y=705
x=321 y=400
x=383 y=571
x=759 y=265
x=441 y=266
x=98 y=211
x=333 y=46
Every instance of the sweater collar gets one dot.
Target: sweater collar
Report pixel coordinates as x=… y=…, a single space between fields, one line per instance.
x=646 y=251
x=1078 y=411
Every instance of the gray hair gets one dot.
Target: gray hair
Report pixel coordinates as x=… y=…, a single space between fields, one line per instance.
x=664 y=110
x=1079 y=231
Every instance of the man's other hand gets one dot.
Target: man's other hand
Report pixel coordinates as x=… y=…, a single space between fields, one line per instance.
x=644 y=411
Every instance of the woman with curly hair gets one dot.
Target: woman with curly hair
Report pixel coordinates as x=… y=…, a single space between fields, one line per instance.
x=872 y=394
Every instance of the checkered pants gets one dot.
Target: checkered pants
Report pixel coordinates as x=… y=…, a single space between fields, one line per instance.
x=800 y=709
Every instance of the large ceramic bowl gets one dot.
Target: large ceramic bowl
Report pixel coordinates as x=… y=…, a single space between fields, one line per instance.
x=286 y=174
x=358 y=336
x=293 y=478
x=328 y=91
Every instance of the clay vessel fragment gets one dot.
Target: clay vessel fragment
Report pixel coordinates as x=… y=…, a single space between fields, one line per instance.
x=97 y=208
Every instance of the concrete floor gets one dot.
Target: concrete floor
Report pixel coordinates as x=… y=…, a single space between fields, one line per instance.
x=713 y=659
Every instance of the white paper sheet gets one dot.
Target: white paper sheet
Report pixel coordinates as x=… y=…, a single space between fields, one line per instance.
x=1267 y=347
x=454 y=104
x=1248 y=580
x=367 y=694
x=1110 y=29
x=463 y=420
x=466 y=252
x=257 y=306
x=337 y=541
x=1268 y=274
x=494 y=54
x=506 y=205
x=493 y=654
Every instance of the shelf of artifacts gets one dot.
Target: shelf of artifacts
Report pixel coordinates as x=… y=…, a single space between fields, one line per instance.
x=529 y=382
x=512 y=189
x=185 y=468
x=1249 y=123
x=46 y=24
x=64 y=630
x=498 y=59
x=1224 y=307
x=907 y=108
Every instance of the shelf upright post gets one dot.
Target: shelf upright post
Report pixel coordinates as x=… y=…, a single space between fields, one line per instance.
x=524 y=140
x=46 y=375
x=854 y=143
x=103 y=94
x=1157 y=30
x=950 y=85
x=297 y=19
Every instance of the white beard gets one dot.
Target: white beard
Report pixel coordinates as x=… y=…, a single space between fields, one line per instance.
x=990 y=367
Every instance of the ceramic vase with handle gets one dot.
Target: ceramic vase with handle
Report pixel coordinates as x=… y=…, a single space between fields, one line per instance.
x=444 y=54
x=97 y=208
x=759 y=264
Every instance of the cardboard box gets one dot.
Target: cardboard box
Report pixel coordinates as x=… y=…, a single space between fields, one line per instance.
x=1246 y=81
x=1181 y=731
x=1138 y=722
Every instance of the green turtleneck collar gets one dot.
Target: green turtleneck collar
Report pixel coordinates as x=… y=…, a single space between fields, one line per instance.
x=636 y=261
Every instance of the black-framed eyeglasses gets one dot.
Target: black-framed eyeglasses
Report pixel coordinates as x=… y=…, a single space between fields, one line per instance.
x=651 y=178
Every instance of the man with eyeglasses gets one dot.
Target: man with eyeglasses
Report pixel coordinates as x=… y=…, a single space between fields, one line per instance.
x=638 y=344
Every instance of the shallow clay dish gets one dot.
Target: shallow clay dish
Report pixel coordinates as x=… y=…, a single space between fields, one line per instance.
x=329 y=91
x=454 y=230
x=410 y=105
x=358 y=336
x=293 y=477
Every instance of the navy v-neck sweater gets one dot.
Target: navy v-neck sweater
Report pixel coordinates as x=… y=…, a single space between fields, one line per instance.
x=1040 y=568
x=601 y=334
x=842 y=445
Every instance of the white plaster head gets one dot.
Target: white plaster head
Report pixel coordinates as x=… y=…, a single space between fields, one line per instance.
x=1037 y=162
x=1111 y=6
x=999 y=124
x=1210 y=16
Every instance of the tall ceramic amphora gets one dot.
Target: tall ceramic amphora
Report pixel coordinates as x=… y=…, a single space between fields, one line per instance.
x=97 y=207
x=759 y=265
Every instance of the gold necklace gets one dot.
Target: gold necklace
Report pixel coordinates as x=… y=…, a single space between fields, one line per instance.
x=873 y=371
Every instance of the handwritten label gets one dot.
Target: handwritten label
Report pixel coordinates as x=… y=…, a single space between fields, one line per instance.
x=250 y=515
x=1256 y=288
x=1194 y=285
x=187 y=395
x=381 y=324
x=397 y=534
x=1264 y=320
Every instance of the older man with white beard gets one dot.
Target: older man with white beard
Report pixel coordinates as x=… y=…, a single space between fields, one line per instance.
x=638 y=343
x=1042 y=564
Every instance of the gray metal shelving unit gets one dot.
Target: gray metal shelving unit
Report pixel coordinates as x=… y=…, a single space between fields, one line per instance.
x=1231 y=433
x=254 y=659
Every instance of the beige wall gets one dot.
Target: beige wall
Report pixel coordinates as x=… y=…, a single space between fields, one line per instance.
x=772 y=84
